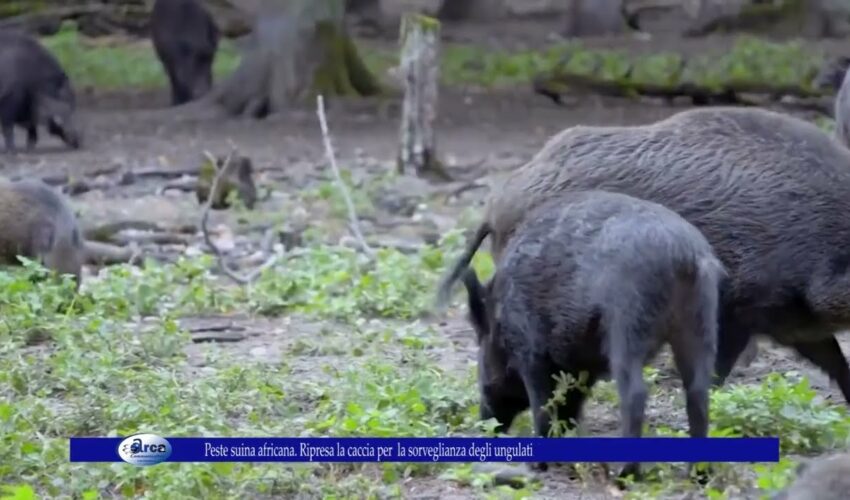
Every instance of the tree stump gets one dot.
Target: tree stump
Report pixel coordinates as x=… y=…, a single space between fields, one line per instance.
x=420 y=69
x=237 y=178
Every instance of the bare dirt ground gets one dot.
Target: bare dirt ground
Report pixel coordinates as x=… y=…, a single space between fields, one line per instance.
x=480 y=133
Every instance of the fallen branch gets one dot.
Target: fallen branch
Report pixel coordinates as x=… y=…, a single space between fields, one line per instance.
x=185 y=185
x=354 y=223
x=223 y=265
x=680 y=77
x=133 y=175
x=104 y=254
x=81 y=186
x=157 y=238
x=106 y=232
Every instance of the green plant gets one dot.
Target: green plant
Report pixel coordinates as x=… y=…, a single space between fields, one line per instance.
x=780 y=406
x=772 y=478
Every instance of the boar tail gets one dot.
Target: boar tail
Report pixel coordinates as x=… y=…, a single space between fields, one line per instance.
x=710 y=277
x=457 y=270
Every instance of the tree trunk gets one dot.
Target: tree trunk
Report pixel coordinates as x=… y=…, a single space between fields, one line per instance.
x=299 y=49
x=420 y=67
x=455 y=10
x=366 y=15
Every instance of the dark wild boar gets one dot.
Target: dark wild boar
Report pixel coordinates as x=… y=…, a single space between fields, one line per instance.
x=185 y=38
x=767 y=190
x=595 y=282
x=39 y=224
x=34 y=91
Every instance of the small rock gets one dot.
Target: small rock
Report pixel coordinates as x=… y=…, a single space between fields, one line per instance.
x=258 y=352
x=193 y=251
x=225 y=240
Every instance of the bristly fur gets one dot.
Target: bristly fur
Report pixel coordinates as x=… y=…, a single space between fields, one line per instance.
x=767 y=190
x=39 y=224
x=595 y=282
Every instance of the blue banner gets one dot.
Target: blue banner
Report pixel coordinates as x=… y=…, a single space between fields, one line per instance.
x=148 y=449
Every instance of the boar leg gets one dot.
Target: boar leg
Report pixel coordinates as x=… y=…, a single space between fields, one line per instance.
x=827 y=355
x=32 y=135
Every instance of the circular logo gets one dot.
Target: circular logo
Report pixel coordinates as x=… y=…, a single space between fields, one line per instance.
x=144 y=449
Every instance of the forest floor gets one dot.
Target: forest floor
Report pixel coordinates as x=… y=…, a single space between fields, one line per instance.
x=481 y=133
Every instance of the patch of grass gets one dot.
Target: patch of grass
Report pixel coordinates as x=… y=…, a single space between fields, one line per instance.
x=110 y=361
x=784 y=406
x=773 y=478
x=101 y=65
x=341 y=283
x=100 y=371
x=328 y=191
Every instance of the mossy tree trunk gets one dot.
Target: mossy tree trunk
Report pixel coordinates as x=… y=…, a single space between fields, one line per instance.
x=300 y=48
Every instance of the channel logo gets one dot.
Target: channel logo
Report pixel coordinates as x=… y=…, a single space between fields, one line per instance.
x=144 y=449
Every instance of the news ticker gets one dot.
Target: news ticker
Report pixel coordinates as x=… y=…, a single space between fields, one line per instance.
x=149 y=449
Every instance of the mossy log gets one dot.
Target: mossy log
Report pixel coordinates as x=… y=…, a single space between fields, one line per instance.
x=752 y=67
x=557 y=84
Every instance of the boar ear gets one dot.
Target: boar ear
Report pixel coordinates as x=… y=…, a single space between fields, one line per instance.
x=478 y=303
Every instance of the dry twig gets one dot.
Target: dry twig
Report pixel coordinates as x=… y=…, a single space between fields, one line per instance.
x=354 y=223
